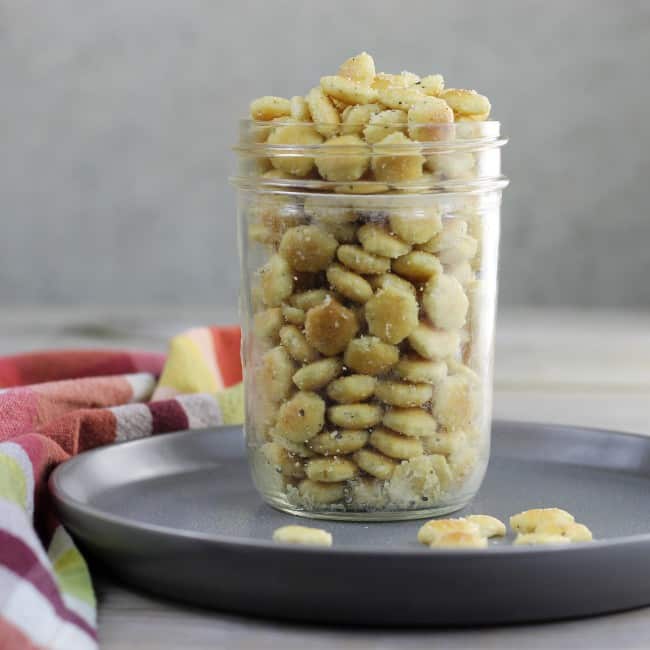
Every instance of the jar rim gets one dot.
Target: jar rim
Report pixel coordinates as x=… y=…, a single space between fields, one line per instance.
x=449 y=142
x=364 y=188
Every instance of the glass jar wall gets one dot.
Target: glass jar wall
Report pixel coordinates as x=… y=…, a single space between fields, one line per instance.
x=368 y=313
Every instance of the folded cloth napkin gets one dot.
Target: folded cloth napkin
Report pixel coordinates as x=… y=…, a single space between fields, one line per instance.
x=56 y=404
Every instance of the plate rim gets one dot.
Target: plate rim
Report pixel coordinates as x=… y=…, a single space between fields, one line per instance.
x=64 y=499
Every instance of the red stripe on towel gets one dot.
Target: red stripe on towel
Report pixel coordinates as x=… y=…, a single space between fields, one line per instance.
x=227 y=343
x=168 y=415
x=39 y=367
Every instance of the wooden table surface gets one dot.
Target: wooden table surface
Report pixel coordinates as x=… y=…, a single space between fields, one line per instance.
x=583 y=368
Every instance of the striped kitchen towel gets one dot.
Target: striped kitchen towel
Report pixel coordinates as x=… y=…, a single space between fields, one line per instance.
x=56 y=404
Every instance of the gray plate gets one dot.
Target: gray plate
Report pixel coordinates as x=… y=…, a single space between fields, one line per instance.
x=178 y=515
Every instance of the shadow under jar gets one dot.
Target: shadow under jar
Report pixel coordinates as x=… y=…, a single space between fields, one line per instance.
x=369 y=280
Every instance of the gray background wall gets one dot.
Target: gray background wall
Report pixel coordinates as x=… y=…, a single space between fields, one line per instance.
x=116 y=121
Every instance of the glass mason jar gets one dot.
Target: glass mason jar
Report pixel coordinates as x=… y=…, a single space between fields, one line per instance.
x=369 y=279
